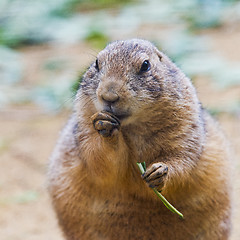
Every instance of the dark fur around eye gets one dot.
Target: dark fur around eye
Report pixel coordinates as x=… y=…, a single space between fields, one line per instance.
x=145 y=66
x=96 y=65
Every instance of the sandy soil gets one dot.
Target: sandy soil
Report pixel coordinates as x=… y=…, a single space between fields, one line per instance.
x=28 y=136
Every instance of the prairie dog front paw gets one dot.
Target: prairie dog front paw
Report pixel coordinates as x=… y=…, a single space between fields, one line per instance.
x=155 y=175
x=105 y=123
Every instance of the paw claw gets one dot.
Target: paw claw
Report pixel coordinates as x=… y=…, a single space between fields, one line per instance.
x=105 y=123
x=155 y=175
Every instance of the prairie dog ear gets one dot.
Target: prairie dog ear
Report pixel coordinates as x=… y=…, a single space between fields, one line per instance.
x=160 y=55
x=163 y=58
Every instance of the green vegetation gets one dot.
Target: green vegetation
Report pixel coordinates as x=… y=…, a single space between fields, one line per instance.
x=96 y=22
x=23 y=198
x=97 y=39
x=142 y=168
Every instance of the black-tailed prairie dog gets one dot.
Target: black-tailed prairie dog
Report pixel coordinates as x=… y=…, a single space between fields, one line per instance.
x=135 y=105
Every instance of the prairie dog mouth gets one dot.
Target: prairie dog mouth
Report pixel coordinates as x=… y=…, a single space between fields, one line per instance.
x=114 y=116
x=122 y=116
x=118 y=116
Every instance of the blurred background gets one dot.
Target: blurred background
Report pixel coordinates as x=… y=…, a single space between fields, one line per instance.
x=45 y=46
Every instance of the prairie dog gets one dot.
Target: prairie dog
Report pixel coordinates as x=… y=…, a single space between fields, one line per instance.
x=134 y=105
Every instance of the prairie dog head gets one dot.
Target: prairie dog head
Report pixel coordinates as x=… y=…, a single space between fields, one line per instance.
x=130 y=77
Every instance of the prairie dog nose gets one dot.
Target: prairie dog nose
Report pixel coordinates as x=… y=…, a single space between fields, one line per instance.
x=110 y=96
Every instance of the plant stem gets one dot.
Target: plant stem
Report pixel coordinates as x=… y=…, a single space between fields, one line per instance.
x=163 y=199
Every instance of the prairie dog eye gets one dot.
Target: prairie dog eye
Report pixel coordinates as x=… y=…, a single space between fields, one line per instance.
x=96 y=65
x=145 y=66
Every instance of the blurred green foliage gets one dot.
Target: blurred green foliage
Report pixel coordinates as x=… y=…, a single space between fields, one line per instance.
x=76 y=83
x=23 y=198
x=97 y=22
x=97 y=39
x=33 y=22
x=90 y=5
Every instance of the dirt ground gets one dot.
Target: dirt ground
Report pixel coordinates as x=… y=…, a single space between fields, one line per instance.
x=28 y=136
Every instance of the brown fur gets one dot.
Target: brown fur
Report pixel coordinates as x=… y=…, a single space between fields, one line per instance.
x=95 y=184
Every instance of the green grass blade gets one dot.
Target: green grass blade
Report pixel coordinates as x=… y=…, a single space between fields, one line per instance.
x=163 y=199
x=167 y=204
